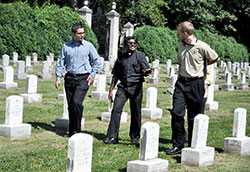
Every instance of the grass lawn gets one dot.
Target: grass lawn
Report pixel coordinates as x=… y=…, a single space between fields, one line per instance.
x=46 y=151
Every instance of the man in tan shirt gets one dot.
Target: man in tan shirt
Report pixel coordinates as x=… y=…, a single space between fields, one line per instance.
x=189 y=88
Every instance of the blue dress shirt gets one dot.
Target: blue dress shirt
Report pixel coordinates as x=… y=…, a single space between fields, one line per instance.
x=78 y=58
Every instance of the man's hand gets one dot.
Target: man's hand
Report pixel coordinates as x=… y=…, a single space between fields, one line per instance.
x=90 y=79
x=110 y=96
x=146 y=72
x=58 y=84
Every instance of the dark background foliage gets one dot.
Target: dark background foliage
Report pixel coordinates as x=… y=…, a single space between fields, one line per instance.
x=42 y=30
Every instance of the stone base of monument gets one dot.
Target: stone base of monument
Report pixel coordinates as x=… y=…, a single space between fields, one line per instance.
x=62 y=125
x=200 y=157
x=8 y=86
x=227 y=87
x=236 y=145
x=236 y=77
x=241 y=86
x=15 y=131
x=159 y=165
x=106 y=116
x=61 y=96
x=20 y=76
x=100 y=95
x=31 y=98
x=29 y=69
x=35 y=63
x=216 y=87
x=154 y=80
x=168 y=79
x=212 y=105
x=44 y=75
x=154 y=113
x=170 y=91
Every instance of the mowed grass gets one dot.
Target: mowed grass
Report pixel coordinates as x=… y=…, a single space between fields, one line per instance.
x=46 y=151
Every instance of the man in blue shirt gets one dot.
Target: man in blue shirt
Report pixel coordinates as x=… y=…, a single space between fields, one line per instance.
x=81 y=61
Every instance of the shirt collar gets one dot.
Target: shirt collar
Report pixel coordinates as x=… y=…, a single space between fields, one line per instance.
x=194 y=41
x=81 y=42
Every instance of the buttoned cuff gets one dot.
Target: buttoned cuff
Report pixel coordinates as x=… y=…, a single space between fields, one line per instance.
x=58 y=79
x=93 y=74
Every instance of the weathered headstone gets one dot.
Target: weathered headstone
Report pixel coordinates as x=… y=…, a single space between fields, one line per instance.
x=106 y=68
x=242 y=85
x=20 y=71
x=45 y=74
x=239 y=143
x=100 y=93
x=8 y=80
x=106 y=116
x=210 y=103
x=31 y=95
x=170 y=74
x=167 y=67
x=156 y=70
x=151 y=111
x=128 y=29
x=173 y=81
x=80 y=148
x=28 y=66
x=14 y=58
x=86 y=13
x=35 y=59
x=228 y=86
x=148 y=157
x=198 y=154
x=13 y=127
x=237 y=73
x=5 y=61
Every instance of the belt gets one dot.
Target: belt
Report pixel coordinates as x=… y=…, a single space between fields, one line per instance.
x=189 y=79
x=77 y=74
x=129 y=84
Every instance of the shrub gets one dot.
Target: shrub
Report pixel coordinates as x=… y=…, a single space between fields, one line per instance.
x=42 y=30
x=162 y=43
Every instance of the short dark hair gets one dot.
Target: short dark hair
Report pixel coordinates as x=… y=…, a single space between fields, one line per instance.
x=76 y=26
x=126 y=39
x=187 y=27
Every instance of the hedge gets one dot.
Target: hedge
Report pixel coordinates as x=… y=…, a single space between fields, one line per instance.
x=162 y=43
x=42 y=30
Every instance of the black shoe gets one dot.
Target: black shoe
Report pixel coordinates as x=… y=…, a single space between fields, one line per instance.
x=111 y=141
x=174 y=151
x=134 y=140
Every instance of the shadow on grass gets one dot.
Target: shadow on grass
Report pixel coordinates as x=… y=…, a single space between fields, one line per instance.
x=122 y=170
x=45 y=126
x=164 y=141
x=219 y=150
x=177 y=158
x=98 y=136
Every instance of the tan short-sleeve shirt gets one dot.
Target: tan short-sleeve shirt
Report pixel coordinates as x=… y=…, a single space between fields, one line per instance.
x=191 y=58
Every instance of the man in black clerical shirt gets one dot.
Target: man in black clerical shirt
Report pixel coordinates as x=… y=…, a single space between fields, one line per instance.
x=130 y=68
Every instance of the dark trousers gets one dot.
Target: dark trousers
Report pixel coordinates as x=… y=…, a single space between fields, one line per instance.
x=76 y=88
x=135 y=99
x=187 y=94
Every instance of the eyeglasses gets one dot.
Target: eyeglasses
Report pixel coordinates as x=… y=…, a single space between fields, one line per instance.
x=80 y=33
x=131 y=43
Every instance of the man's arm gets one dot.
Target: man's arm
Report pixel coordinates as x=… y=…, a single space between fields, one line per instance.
x=60 y=68
x=112 y=86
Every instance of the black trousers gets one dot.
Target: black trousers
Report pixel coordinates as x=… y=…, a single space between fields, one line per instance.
x=187 y=94
x=76 y=88
x=135 y=99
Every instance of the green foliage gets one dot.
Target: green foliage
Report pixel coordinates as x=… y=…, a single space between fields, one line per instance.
x=157 y=43
x=42 y=30
x=161 y=43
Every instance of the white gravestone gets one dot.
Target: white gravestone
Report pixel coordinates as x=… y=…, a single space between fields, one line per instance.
x=102 y=63
x=62 y=124
x=86 y=13
x=100 y=93
x=167 y=67
x=13 y=127
x=106 y=116
x=242 y=85
x=228 y=86
x=151 y=111
x=14 y=58
x=239 y=143
x=198 y=154
x=106 y=68
x=28 y=66
x=5 y=61
x=170 y=74
x=80 y=148
x=35 y=61
x=156 y=70
x=20 y=71
x=237 y=73
x=210 y=103
x=173 y=81
x=148 y=157
x=8 y=81
x=45 y=74
x=31 y=95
